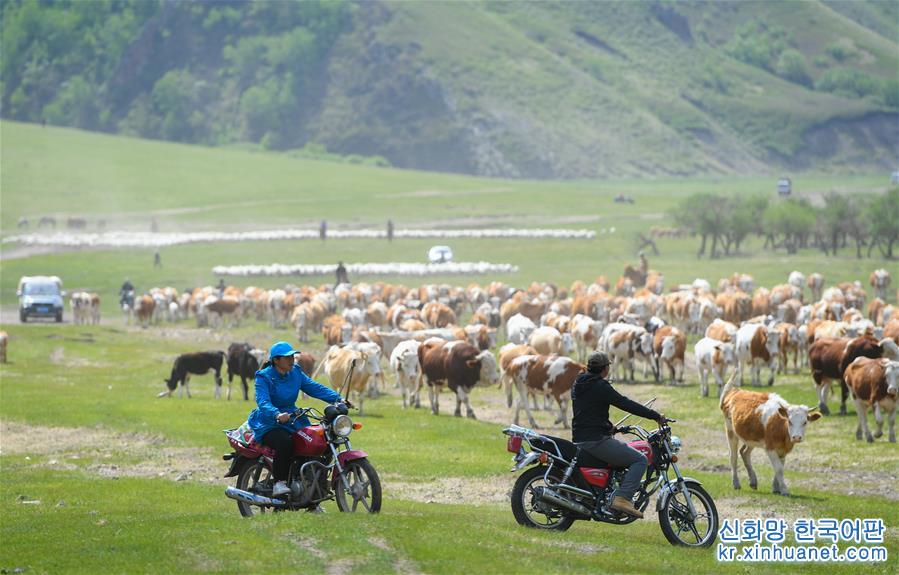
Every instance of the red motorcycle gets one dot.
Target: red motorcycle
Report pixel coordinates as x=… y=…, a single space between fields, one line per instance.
x=569 y=484
x=324 y=467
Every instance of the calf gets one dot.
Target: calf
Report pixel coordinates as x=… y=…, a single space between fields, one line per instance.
x=757 y=345
x=762 y=420
x=829 y=358
x=875 y=385
x=404 y=363
x=199 y=363
x=712 y=356
x=143 y=308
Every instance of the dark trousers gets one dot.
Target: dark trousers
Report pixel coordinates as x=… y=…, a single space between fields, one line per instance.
x=618 y=454
x=281 y=441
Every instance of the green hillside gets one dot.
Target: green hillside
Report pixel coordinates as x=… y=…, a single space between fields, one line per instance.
x=523 y=89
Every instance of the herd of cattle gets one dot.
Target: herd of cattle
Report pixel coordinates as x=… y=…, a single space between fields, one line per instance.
x=418 y=334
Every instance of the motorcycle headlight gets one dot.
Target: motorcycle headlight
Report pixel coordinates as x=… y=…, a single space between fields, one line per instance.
x=342 y=425
x=675 y=443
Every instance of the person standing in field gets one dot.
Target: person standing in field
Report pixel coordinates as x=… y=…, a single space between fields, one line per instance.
x=342 y=277
x=323 y=230
x=157 y=260
x=389 y=230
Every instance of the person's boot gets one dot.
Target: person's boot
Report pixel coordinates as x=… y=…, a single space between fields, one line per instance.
x=625 y=506
x=280 y=488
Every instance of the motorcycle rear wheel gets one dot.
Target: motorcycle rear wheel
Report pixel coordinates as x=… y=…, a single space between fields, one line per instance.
x=365 y=488
x=676 y=526
x=531 y=512
x=250 y=475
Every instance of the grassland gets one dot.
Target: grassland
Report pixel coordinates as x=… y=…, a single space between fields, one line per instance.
x=129 y=483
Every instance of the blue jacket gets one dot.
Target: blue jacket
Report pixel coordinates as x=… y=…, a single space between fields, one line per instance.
x=276 y=393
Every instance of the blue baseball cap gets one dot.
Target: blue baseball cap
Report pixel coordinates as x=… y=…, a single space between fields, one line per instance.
x=281 y=348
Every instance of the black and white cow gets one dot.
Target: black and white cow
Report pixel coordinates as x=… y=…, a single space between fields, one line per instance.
x=199 y=363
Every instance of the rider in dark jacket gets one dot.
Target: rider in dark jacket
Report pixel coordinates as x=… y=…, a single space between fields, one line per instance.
x=591 y=396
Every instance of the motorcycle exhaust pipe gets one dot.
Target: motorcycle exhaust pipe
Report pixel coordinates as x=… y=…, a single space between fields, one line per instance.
x=252 y=498
x=557 y=500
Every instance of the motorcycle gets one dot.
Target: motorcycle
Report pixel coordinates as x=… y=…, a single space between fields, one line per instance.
x=568 y=485
x=324 y=467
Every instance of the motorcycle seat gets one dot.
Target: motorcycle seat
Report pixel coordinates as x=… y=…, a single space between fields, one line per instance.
x=569 y=450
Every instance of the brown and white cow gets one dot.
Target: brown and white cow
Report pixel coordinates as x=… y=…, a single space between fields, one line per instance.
x=481 y=336
x=458 y=365
x=507 y=355
x=789 y=342
x=721 y=330
x=815 y=282
x=829 y=358
x=762 y=420
x=548 y=341
x=757 y=345
x=547 y=375
x=668 y=347
x=875 y=385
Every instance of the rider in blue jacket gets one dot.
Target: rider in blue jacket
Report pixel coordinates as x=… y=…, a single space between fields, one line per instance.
x=277 y=389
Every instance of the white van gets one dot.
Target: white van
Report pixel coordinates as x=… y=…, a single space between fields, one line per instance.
x=40 y=296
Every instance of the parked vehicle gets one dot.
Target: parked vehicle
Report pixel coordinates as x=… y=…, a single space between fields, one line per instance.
x=567 y=484
x=40 y=296
x=325 y=467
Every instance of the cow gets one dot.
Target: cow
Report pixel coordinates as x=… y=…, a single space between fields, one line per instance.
x=199 y=363
x=757 y=345
x=519 y=329
x=305 y=360
x=436 y=314
x=80 y=303
x=789 y=342
x=623 y=341
x=458 y=365
x=798 y=280
x=243 y=361
x=668 y=346
x=507 y=355
x=880 y=280
x=548 y=341
x=762 y=420
x=875 y=385
x=721 y=330
x=548 y=375
x=338 y=363
x=143 y=308
x=481 y=336
x=815 y=282
x=891 y=329
x=372 y=363
x=4 y=341
x=712 y=356
x=586 y=332
x=404 y=363
x=218 y=308
x=829 y=358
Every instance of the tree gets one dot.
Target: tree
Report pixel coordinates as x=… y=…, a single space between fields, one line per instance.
x=791 y=219
x=833 y=219
x=883 y=214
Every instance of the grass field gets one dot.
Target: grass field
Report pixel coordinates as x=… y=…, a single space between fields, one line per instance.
x=130 y=483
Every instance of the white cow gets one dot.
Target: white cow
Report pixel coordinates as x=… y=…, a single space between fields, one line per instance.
x=404 y=363
x=712 y=356
x=519 y=328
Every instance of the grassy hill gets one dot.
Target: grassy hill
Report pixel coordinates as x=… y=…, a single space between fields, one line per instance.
x=522 y=90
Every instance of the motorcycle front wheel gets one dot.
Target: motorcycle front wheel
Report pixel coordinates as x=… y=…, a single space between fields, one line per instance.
x=250 y=475
x=364 y=487
x=529 y=510
x=674 y=518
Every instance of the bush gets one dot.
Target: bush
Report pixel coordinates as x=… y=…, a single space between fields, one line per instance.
x=848 y=82
x=791 y=66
